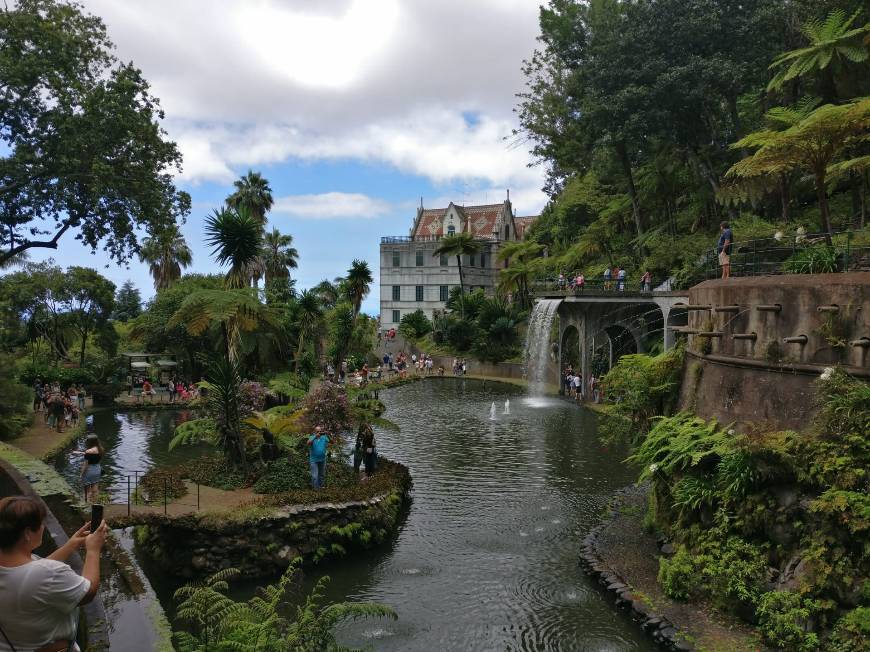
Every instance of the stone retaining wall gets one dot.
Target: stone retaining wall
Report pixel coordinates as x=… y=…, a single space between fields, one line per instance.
x=194 y=545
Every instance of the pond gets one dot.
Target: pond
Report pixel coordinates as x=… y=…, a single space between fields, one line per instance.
x=134 y=442
x=487 y=558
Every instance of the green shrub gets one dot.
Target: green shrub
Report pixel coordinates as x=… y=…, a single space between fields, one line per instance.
x=213 y=471
x=415 y=324
x=820 y=259
x=679 y=576
x=852 y=632
x=736 y=571
x=15 y=401
x=61 y=375
x=784 y=618
x=283 y=475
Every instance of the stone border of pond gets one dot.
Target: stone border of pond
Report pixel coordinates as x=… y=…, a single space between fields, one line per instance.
x=262 y=539
x=658 y=626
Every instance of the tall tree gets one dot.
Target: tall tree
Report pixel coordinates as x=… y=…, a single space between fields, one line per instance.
x=166 y=253
x=357 y=284
x=814 y=144
x=254 y=194
x=310 y=320
x=83 y=149
x=279 y=255
x=89 y=298
x=833 y=45
x=459 y=245
x=128 y=302
x=234 y=235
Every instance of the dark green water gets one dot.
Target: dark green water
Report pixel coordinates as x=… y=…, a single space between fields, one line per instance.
x=134 y=442
x=487 y=558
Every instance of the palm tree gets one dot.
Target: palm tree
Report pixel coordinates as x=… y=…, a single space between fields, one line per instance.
x=459 y=245
x=234 y=235
x=278 y=255
x=253 y=193
x=357 y=284
x=515 y=279
x=237 y=310
x=832 y=43
x=327 y=292
x=166 y=253
x=309 y=315
x=812 y=145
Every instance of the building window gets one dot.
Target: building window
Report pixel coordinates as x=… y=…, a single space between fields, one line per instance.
x=419 y=258
x=397 y=293
x=507 y=231
x=397 y=258
x=418 y=292
x=444 y=293
x=444 y=261
x=397 y=316
x=471 y=260
x=483 y=260
x=451 y=230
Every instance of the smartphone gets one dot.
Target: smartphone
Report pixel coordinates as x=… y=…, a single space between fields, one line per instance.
x=96 y=517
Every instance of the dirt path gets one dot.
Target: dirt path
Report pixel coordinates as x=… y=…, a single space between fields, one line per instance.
x=40 y=441
x=627 y=549
x=197 y=499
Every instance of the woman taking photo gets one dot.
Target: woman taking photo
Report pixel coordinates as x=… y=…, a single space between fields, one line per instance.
x=39 y=598
x=91 y=469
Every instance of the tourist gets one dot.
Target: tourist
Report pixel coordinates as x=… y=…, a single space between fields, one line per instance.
x=358 y=449
x=592 y=393
x=39 y=598
x=317 y=445
x=607 y=278
x=147 y=390
x=91 y=470
x=72 y=394
x=369 y=450
x=464 y=367
x=646 y=282
x=441 y=370
x=579 y=282
x=82 y=396
x=37 y=395
x=364 y=374
x=269 y=450
x=170 y=386
x=57 y=411
x=577 y=387
x=723 y=248
x=561 y=281
x=620 y=278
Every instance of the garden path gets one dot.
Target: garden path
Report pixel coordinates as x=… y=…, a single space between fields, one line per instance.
x=198 y=499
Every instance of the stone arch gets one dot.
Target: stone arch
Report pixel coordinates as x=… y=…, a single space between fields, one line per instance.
x=623 y=341
x=570 y=352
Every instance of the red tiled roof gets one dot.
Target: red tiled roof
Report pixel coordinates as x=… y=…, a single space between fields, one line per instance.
x=482 y=220
x=522 y=224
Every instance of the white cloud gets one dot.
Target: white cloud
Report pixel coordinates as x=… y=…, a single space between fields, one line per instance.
x=255 y=83
x=331 y=205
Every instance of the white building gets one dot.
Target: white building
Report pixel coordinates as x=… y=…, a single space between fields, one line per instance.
x=413 y=279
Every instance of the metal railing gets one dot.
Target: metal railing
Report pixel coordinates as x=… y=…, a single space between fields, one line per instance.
x=591 y=287
x=128 y=484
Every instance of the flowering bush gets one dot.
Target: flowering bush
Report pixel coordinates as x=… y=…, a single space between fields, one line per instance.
x=253 y=395
x=327 y=407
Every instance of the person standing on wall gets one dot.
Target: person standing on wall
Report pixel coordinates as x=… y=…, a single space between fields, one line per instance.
x=317 y=444
x=646 y=282
x=723 y=248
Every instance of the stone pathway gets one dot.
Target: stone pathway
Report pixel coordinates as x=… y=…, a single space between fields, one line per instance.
x=40 y=441
x=628 y=550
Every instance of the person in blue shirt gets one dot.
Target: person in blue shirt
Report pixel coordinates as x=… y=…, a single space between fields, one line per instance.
x=723 y=248
x=317 y=444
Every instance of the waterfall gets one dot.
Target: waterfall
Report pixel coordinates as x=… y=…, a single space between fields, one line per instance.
x=537 y=357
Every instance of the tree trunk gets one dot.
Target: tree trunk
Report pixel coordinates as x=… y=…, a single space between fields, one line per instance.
x=84 y=345
x=784 y=198
x=461 y=287
x=823 y=205
x=622 y=152
x=299 y=351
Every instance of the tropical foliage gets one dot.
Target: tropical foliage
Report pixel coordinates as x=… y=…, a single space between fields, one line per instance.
x=217 y=623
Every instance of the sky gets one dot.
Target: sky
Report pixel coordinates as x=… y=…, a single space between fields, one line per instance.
x=352 y=109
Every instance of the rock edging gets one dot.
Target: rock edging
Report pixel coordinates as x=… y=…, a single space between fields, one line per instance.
x=659 y=627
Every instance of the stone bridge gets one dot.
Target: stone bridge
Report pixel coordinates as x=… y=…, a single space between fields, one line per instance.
x=612 y=323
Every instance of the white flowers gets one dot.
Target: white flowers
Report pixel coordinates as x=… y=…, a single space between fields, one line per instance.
x=731 y=432
x=801 y=234
x=778 y=236
x=827 y=373
x=653 y=468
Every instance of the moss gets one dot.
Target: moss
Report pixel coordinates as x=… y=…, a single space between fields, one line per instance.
x=45 y=480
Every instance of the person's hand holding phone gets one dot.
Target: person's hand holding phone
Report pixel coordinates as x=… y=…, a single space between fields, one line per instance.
x=95 y=540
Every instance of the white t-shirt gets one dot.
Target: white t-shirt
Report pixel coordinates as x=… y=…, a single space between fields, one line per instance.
x=39 y=603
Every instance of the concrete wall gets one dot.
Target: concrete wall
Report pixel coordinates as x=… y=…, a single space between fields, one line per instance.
x=768 y=380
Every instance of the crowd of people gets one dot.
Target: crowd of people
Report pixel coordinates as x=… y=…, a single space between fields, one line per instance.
x=61 y=407
x=573 y=386
x=612 y=280
x=176 y=389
